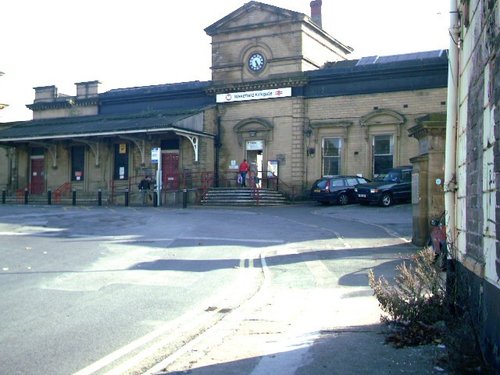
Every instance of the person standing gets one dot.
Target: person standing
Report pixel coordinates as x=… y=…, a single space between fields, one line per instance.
x=243 y=172
x=144 y=187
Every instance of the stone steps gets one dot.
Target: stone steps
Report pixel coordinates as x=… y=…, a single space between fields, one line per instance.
x=243 y=197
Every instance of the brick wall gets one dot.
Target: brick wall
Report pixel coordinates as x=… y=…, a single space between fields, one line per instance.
x=474 y=164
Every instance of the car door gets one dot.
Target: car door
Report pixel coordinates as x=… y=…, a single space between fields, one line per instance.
x=351 y=182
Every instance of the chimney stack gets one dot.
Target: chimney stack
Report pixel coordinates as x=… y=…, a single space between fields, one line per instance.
x=316 y=11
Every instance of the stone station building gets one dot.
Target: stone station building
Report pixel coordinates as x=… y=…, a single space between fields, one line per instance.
x=284 y=95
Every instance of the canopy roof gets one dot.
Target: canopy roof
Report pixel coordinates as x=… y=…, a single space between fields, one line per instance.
x=188 y=122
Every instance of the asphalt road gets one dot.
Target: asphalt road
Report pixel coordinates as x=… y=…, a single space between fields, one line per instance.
x=114 y=290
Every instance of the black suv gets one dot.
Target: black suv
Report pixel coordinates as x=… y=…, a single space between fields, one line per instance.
x=336 y=189
x=387 y=188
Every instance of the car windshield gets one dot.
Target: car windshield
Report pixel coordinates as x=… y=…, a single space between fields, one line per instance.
x=391 y=176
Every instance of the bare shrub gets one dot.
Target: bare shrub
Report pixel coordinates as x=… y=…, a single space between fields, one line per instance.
x=415 y=300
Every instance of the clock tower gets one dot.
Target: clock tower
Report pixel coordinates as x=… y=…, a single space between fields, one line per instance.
x=259 y=41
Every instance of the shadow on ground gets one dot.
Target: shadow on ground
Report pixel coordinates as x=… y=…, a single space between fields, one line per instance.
x=352 y=350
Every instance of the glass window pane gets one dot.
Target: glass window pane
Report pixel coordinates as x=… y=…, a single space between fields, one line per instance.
x=352 y=181
x=336 y=182
x=331 y=147
x=382 y=163
x=332 y=151
x=382 y=145
x=382 y=153
x=330 y=166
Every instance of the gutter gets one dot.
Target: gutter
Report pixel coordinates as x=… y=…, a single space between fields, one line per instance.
x=450 y=178
x=107 y=133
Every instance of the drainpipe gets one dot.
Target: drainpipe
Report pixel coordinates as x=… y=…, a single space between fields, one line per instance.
x=218 y=145
x=450 y=178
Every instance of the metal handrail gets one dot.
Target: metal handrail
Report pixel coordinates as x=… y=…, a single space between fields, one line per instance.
x=61 y=190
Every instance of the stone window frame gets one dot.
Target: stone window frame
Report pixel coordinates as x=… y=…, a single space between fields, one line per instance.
x=383 y=122
x=340 y=156
x=322 y=129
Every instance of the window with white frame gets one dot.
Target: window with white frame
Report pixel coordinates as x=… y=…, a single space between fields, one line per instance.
x=331 y=156
x=383 y=153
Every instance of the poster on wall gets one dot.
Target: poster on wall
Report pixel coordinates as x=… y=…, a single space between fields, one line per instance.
x=272 y=168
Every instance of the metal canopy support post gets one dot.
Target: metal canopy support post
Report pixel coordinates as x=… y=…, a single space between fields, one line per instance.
x=156 y=158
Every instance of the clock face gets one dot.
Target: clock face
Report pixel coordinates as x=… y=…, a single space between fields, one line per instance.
x=256 y=62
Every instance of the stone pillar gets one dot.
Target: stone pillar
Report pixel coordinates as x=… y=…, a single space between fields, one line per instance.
x=428 y=174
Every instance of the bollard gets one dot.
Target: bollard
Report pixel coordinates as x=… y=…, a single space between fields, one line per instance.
x=25 y=196
x=184 y=198
x=74 y=198
x=3 y=196
x=99 y=197
x=155 y=199
x=126 y=197
x=49 y=197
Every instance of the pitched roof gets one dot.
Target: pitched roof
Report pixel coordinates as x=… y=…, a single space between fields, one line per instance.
x=251 y=6
x=377 y=62
x=99 y=126
x=281 y=15
x=156 y=89
x=373 y=74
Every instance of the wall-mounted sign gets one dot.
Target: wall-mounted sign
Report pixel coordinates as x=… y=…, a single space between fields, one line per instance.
x=254 y=95
x=123 y=148
x=155 y=154
x=255 y=145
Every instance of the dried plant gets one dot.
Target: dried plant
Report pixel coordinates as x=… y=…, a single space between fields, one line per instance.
x=415 y=299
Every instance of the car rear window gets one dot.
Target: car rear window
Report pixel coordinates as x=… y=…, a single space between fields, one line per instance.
x=321 y=184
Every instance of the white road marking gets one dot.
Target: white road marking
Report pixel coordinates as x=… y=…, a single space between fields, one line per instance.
x=189 y=323
x=239 y=239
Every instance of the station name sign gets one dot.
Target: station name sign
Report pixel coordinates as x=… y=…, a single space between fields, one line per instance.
x=254 y=95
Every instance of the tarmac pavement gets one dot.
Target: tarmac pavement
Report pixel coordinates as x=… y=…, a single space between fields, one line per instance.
x=288 y=330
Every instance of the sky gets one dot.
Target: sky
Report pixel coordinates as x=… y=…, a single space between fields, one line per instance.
x=129 y=43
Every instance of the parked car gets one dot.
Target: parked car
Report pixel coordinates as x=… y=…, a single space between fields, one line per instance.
x=336 y=189
x=387 y=188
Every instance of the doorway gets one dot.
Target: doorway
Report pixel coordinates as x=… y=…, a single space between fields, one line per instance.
x=170 y=173
x=37 y=175
x=255 y=157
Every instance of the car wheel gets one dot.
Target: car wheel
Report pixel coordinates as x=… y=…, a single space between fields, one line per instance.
x=343 y=199
x=386 y=200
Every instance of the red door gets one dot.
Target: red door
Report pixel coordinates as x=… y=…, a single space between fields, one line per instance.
x=170 y=166
x=37 y=176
